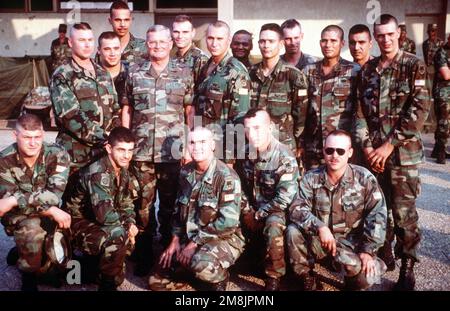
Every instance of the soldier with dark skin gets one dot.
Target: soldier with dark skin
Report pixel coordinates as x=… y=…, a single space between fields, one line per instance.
x=59 y=49
x=159 y=100
x=341 y=213
x=405 y=43
x=293 y=36
x=331 y=95
x=133 y=49
x=206 y=236
x=241 y=46
x=269 y=177
x=441 y=95
x=84 y=101
x=280 y=89
x=393 y=104
x=102 y=209
x=183 y=33
x=33 y=176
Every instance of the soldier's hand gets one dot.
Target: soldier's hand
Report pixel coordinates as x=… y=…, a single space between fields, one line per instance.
x=186 y=254
x=327 y=240
x=166 y=257
x=62 y=218
x=260 y=215
x=377 y=158
x=367 y=264
x=7 y=204
x=299 y=153
x=132 y=232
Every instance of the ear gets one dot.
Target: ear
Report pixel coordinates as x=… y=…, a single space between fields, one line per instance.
x=350 y=152
x=70 y=42
x=110 y=20
x=193 y=32
x=108 y=148
x=342 y=43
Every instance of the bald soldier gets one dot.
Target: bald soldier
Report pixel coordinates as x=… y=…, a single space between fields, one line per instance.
x=206 y=234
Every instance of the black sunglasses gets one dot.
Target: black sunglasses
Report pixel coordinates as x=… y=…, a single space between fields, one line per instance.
x=330 y=151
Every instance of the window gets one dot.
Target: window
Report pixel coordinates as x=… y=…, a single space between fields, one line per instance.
x=102 y=5
x=175 y=4
x=26 y=6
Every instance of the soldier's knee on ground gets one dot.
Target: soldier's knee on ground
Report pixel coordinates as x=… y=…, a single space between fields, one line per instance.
x=207 y=268
x=30 y=237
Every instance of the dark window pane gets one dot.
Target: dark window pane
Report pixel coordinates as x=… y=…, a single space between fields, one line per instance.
x=42 y=5
x=139 y=5
x=16 y=4
x=171 y=4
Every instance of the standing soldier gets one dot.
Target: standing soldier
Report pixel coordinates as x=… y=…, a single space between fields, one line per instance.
x=280 y=89
x=441 y=94
x=431 y=45
x=206 y=236
x=84 y=100
x=269 y=178
x=33 y=176
x=341 y=213
x=102 y=209
x=405 y=43
x=393 y=103
x=222 y=91
x=360 y=44
x=241 y=46
x=109 y=59
x=60 y=50
x=183 y=32
x=293 y=36
x=331 y=95
x=133 y=49
x=159 y=95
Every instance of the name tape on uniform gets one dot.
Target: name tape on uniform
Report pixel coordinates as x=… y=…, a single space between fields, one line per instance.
x=243 y=91
x=228 y=197
x=302 y=92
x=420 y=82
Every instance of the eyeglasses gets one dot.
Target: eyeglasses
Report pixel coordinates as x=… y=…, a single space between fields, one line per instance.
x=330 y=151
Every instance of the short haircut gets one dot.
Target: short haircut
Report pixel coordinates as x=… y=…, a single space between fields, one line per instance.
x=118 y=5
x=359 y=28
x=108 y=35
x=251 y=113
x=219 y=24
x=183 y=18
x=158 y=28
x=340 y=133
x=120 y=134
x=243 y=32
x=203 y=129
x=385 y=19
x=29 y=122
x=80 y=26
x=333 y=28
x=272 y=27
x=291 y=23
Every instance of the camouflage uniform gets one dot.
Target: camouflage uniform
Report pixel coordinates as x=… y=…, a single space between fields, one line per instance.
x=207 y=213
x=304 y=60
x=429 y=49
x=223 y=98
x=194 y=58
x=270 y=185
x=60 y=53
x=102 y=210
x=331 y=106
x=354 y=211
x=246 y=63
x=135 y=52
x=86 y=107
x=284 y=95
x=158 y=122
x=36 y=190
x=441 y=95
x=393 y=104
x=408 y=45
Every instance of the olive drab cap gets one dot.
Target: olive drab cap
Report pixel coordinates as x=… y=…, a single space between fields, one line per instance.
x=57 y=248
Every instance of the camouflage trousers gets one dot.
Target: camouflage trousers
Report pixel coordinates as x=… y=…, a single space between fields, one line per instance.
x=401 y=187
x=442 y=113
x=110 y=243
x=29 y=234
x=305 y=249
x=273 y=231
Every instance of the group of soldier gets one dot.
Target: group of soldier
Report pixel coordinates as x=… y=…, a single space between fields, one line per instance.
x=140 y=121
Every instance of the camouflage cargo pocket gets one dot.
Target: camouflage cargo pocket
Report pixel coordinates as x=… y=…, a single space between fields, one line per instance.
x=279 y=104
x=208 y=210
x=213 y=104
x=353 y=212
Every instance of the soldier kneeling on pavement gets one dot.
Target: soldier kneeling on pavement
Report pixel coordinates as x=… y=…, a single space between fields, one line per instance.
x=102 y=209
x=341 y=214
x=33 y=177
x=206 y=234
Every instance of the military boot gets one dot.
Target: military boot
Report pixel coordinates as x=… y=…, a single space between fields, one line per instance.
x=385 y=253
x=406 y=279
x=310 y=282
x=440 y=157
x=13 y=256
x=434 y=153
x=220 y=286
x=107 y=284
x=29 y=282
x=355 y=283
x=272 y=284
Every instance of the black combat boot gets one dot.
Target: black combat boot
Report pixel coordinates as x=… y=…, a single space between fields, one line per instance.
x=310 y=282
x=434 y=153
x=13 y=256
x=406 y=279
x=220 y=286
x=107 y=284
x=272 y=284
x=144 y=255
x=29 y=282
x=385 y=253
x=357 y=282
x=440 y=157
